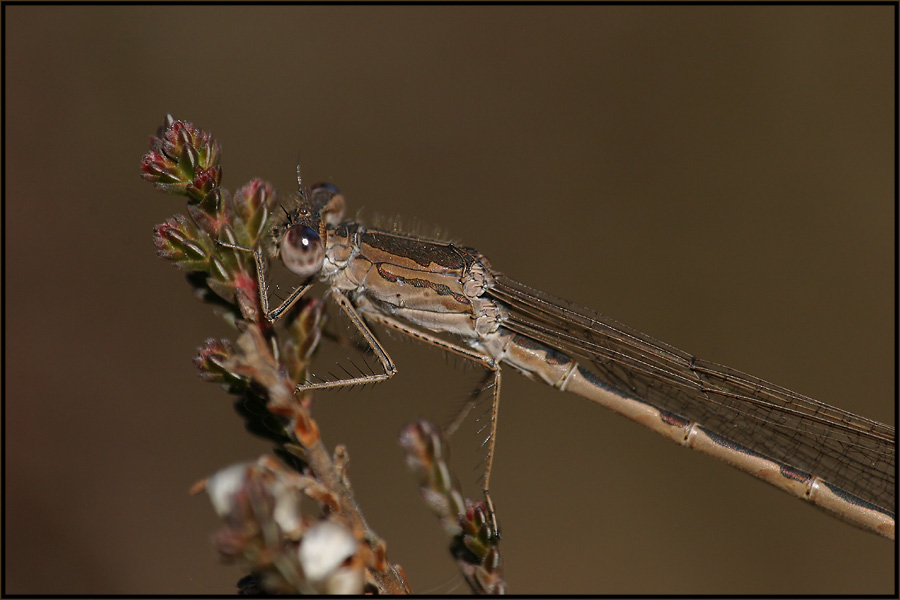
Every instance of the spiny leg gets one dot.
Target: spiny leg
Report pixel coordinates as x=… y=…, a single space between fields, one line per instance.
x=464 y=411
x=491 y=441
x=493 y=374
x=263 y=285
x=478 y=357
x=341 y=300
x=387 y=364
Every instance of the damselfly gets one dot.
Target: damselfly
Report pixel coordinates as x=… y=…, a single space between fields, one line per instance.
x=450 y=297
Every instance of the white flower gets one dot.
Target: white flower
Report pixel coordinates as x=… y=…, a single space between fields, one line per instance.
x=223 y=486
x=324 y=550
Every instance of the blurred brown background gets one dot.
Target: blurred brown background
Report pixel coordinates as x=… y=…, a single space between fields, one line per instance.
x=719 y=177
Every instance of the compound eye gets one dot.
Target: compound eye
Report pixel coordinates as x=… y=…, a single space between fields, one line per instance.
x=325 y=188
x=330 y=200
x=302 y=251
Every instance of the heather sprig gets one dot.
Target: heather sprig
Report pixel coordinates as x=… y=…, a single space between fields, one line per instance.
x=184 y=159
x=286 y=547
x=474 y=542
x=265 y=505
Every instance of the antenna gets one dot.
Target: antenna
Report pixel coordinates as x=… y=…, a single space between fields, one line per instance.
x=300 y=181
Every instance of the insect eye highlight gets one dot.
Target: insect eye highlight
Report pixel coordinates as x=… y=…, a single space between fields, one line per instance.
x=302 y=251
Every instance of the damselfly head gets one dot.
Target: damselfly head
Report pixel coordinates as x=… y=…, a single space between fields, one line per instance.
x=299 y=240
